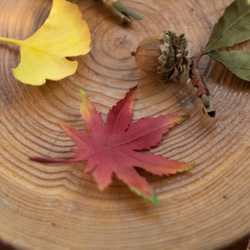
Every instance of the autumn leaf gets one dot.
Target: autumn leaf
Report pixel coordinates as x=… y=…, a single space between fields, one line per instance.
x=63 y=34
x=233 y=26
x=114 y=147
x=236 y=61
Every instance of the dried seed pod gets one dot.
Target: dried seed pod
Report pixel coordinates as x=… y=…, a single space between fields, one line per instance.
x=162 y=57
x=121 y=11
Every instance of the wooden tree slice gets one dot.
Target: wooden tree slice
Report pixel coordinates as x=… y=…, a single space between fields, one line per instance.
x=60 y=207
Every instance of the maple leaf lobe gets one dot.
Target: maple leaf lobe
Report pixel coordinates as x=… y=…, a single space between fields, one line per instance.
x=86 y=109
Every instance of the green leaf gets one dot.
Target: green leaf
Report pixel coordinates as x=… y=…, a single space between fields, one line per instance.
x=236 y=61
x=233 y=27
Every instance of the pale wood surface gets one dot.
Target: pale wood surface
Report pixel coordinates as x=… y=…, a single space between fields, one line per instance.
x=59 y=207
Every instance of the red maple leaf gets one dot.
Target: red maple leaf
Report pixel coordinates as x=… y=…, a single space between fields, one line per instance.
x=113 y=148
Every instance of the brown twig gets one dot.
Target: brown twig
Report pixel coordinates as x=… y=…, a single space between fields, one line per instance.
x=199 y=84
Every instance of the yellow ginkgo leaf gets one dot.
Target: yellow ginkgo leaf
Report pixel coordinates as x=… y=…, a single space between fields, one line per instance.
x=43 y=55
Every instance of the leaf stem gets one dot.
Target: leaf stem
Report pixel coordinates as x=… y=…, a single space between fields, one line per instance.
x=11 y=41
x=195 y=59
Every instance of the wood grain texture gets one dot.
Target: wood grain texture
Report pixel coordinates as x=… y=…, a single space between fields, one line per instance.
x=59 y=207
